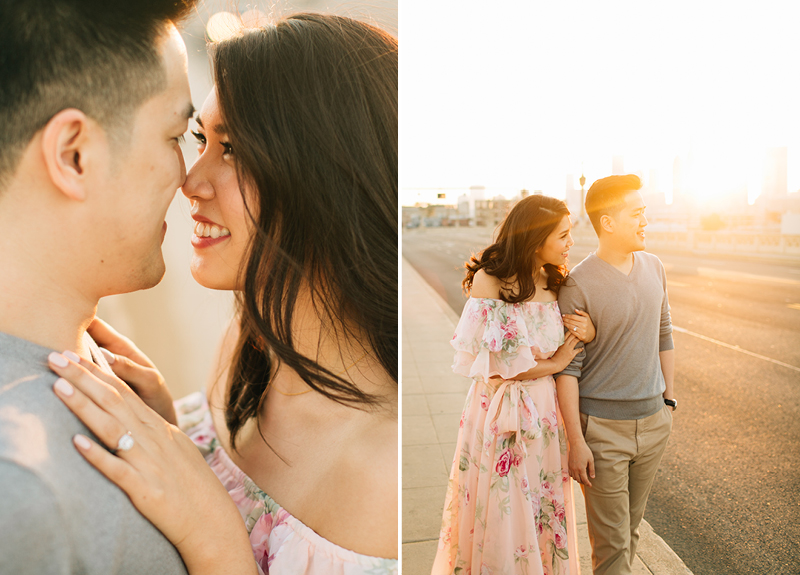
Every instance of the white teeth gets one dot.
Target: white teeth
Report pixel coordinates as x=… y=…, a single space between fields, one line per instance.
x=202 y=230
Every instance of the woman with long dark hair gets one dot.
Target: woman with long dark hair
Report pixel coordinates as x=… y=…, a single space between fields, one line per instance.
x=508 y=507
x=294 y=197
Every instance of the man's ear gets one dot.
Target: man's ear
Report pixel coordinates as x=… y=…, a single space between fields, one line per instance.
x=607 y=223
x=65 y=143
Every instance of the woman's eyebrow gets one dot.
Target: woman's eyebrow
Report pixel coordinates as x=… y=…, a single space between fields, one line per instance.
x=218 y=129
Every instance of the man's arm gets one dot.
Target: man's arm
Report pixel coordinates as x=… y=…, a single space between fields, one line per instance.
x=668 y=369
x=570 y=297
x=34 y=537
x=581 y=460
x=666 y=346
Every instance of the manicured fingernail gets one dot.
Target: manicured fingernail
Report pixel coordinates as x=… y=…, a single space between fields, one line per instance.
x=58 y=360
x=72 y=355
x=108 y=355
x=81 y=442
x=63 y=387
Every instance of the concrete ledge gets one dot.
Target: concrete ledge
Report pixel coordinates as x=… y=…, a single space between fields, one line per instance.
x=657 y=556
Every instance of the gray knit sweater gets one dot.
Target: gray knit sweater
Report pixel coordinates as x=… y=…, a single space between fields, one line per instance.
x=619 y=372
x=58 y=514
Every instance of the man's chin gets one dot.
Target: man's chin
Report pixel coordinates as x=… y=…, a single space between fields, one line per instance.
x=150 y=276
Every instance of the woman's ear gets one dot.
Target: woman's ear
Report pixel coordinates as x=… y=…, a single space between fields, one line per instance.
x=64 y=144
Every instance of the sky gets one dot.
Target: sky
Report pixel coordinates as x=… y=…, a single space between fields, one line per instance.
x=515 y=95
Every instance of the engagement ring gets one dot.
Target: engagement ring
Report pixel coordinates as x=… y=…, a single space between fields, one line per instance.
x=125 y=443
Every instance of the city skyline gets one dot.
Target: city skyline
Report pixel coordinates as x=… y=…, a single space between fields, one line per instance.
x=722 y=179
x=520 y=102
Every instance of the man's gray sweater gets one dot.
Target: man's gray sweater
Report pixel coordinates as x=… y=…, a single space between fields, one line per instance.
x=619 y=372
x=58 y=514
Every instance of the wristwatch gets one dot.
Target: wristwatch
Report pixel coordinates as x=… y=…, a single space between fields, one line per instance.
x=673 y=403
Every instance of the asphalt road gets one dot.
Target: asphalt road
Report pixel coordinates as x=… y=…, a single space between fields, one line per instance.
x=727 y=495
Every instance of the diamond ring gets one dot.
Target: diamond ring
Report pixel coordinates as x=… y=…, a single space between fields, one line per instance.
x=574 y=329
x=125 y=443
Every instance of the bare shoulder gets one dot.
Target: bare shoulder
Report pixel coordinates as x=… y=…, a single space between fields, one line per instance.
x=484 y=285
x=366 y=488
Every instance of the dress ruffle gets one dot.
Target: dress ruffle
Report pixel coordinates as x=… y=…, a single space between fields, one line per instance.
x=495 y=338
x=281 y=543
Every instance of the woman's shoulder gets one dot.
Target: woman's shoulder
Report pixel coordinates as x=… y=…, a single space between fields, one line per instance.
x=485 y=286
x=194 y=419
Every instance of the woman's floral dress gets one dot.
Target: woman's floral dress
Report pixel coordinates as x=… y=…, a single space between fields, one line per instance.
x=509 y=502
x=281 y=543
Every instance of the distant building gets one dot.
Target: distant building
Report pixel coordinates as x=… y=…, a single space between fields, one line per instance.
x=678 y=180
x=466 y=202
x=775 y=171
x=490 y=213
x=652 y=181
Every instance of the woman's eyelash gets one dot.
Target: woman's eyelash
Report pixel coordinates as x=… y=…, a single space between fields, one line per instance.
x=201 y=139
x=228 y=148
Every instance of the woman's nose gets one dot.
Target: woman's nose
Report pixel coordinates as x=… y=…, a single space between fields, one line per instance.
x=197 y=185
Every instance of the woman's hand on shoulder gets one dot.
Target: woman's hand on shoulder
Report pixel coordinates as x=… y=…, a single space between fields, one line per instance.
x=134 y=368
x=161 y=470
x=580 y=324
x=485 y=286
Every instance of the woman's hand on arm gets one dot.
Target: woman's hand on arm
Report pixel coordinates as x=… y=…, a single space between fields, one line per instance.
x=163 y=472
x=560 y=360
x=580 y=324
x=134 y=368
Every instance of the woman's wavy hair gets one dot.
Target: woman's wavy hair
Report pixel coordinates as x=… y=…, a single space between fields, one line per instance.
x=511 y=257
x=310 y=105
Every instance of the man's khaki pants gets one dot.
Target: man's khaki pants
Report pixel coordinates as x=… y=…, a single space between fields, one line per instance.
x=626 y=457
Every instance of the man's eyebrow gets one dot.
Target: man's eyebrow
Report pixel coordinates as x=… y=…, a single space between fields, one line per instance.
x=188 y=111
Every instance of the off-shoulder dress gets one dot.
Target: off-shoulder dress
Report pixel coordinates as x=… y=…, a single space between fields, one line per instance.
x=282 y=544
x=509 y=505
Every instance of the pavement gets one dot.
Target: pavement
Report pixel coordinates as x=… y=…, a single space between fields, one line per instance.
x=433 y=397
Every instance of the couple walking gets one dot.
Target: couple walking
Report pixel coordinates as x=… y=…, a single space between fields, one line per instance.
x=542 y=408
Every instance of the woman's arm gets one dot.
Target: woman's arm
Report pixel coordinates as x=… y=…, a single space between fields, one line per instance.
x=163 y=473
x=560 y=360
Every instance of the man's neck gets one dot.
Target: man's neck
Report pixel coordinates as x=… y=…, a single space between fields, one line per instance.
x=36 y=308
x=622 y=260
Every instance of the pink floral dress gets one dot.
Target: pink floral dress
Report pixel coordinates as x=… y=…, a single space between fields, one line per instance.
x=509 y=506
x=281 y=543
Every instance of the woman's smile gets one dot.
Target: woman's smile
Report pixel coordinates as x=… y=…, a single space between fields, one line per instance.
x=207 y=233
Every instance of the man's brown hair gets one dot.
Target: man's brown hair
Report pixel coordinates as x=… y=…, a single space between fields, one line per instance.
x=607 y=195
x=99 y=56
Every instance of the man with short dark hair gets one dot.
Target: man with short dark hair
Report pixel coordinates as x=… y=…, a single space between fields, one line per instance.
x=616 y=396
x=94 y=99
